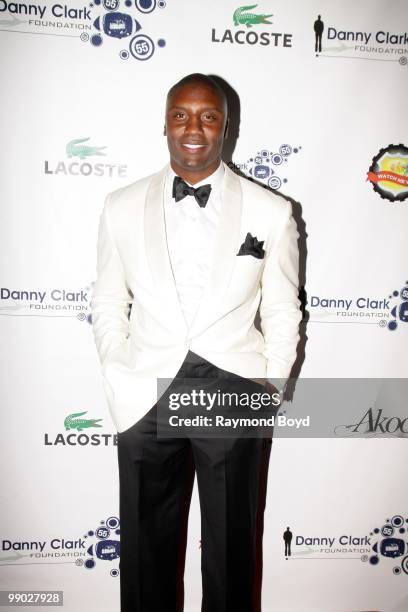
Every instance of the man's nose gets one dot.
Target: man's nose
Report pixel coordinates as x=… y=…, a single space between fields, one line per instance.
x=194 y=125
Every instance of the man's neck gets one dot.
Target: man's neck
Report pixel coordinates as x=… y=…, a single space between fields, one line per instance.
x=193 y=177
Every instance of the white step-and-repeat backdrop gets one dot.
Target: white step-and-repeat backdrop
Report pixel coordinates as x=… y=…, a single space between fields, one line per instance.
x=323 y=119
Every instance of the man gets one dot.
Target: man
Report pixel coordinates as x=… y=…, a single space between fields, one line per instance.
x=287 y=537
x=318 y=30
x=185 y=257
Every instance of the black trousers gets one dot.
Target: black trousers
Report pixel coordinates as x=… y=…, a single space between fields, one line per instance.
x=156 y=477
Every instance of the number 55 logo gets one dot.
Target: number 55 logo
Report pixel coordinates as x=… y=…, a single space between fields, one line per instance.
x=111 y=5
x=141 y=47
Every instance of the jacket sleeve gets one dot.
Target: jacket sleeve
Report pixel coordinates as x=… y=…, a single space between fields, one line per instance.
x=280 y=307
x=111 y=298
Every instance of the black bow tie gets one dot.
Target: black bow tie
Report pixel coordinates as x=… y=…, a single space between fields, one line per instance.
x=181 y=190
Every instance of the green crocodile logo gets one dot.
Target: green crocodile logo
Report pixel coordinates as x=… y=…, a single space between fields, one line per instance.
x=75 y=148
x=241 y=17
x=71 y=422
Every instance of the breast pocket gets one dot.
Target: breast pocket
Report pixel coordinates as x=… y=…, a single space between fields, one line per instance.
x=248 y=262
x=246 y=277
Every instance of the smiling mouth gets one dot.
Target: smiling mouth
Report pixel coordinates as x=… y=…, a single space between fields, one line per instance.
x=193 y=147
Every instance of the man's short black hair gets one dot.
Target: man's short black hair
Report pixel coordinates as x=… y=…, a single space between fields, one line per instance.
x=203 y=79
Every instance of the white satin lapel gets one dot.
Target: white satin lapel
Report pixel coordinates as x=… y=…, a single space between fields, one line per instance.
x=157 y=250
x=225 y=251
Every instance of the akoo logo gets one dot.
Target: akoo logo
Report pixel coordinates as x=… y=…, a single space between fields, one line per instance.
x=374 y=423
x=78 y=149
x=388 y=173
x=244 y=16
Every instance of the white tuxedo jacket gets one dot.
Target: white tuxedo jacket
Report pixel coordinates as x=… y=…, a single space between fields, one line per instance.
x=134 y=275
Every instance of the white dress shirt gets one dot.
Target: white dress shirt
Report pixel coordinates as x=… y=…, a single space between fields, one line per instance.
x=190 y=232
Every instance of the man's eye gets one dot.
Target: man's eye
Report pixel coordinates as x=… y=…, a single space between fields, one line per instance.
x=210 y=117
x=179 y=115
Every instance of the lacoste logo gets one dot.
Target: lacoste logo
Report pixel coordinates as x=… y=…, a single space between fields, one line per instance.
x=241 y=17
x=75 y=148
x=71 y=422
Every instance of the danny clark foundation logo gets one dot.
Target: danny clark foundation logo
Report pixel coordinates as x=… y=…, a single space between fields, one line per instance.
x=55 y=302
x=388 y=173
x=252 y=26
x=99 y=546
x=112 y=22
x=386 y=544
x=336 y=40
x=80 y=153
x=80 y=432
x=312 y=545
x=390 y=312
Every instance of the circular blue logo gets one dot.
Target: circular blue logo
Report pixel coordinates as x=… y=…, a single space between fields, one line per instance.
x=387 y=531
x=112 y=522
x=96 y=40
x=277 y=159
x=274 y=182
x=111 y=5
x=145 y=6
x=102 y=533
x=397 y=520
x=285 y=150
x=141 y=47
